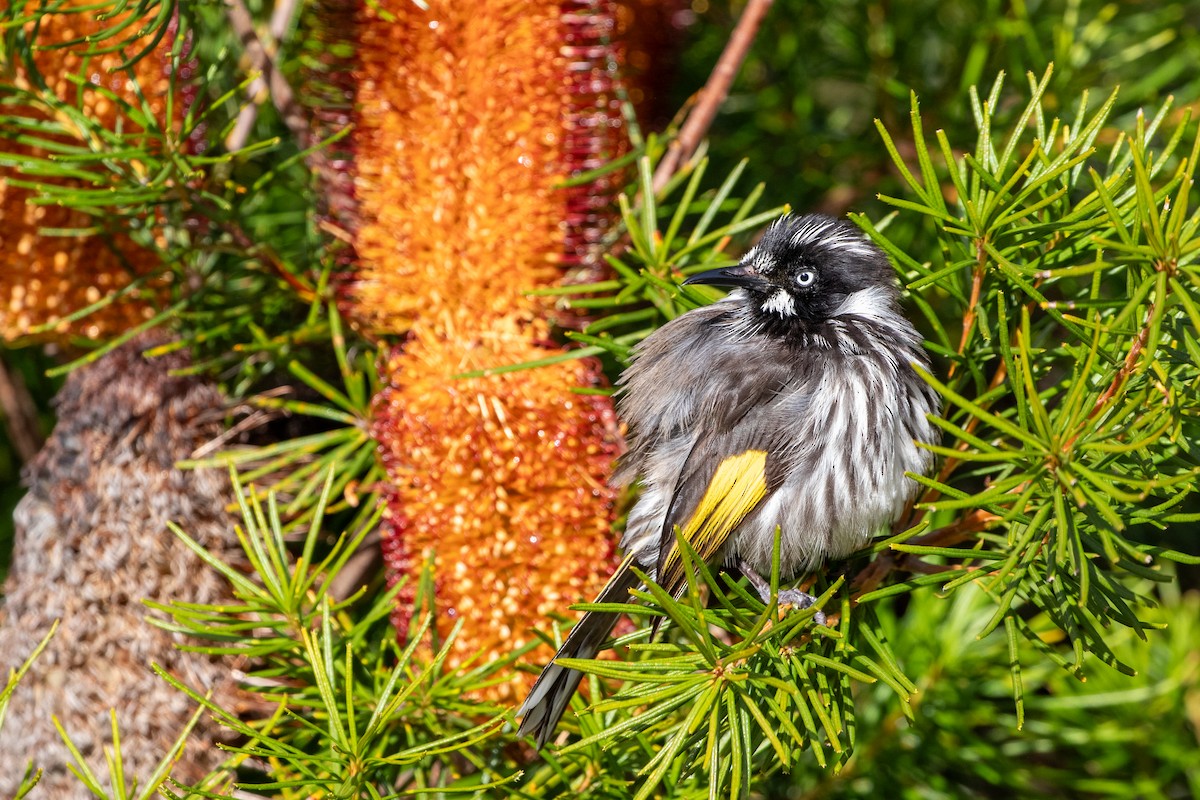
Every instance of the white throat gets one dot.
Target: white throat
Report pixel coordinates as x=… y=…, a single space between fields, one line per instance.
x=781 y=303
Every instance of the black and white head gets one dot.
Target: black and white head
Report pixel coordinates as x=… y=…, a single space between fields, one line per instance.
x=807 y=269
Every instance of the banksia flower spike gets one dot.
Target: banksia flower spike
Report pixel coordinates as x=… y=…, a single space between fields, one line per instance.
x=469 y=117
x=53 y=260
x=502 y=480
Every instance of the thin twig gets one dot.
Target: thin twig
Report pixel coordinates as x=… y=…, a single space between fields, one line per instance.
x=873 y=575
x=968 y=321
x=1126 y=369
x=281 y=93
x=20 y=414
x=713 y=94
x=1123 y=372
x=268 y=257
x=281 y=21
x=249 y=422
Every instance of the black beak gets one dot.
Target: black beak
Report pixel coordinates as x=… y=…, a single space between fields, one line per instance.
x=734 y=277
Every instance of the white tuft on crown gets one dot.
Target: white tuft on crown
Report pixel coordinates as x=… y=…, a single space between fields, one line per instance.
x=827 y=232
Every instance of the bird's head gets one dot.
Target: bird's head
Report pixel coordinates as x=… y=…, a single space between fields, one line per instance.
x=805 y=268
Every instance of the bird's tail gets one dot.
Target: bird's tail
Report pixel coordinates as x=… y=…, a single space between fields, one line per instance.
x=552 y=691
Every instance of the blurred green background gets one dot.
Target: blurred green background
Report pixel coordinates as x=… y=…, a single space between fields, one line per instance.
x=803 y=107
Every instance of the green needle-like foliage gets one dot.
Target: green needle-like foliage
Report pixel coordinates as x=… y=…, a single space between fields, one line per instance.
x=1072 y=389
x=297 y=467
x=357 y=714
x=739 y=691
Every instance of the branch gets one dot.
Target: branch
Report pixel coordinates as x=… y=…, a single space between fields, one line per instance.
x=968 y=321
x=280 y=92
x=267 y=255
x=713 y=94
x=1127 y=367
x=20 y=414
x=873 y=575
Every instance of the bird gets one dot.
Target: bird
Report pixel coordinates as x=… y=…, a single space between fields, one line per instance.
x=794 y=404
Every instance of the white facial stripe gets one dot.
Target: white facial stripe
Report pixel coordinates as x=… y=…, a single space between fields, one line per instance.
x=758 y=260
x=780 y=303
x=810 y=231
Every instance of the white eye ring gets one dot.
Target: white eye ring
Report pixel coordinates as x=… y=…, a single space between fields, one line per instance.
x=806 y=278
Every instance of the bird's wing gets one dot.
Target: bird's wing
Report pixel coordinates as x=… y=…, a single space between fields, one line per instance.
x=739 y=458
x=690 y=375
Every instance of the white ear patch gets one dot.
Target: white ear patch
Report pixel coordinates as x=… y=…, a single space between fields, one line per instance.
x=872 y=302
x=781 y=303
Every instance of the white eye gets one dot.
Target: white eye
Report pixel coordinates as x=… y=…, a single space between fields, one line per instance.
x=806 y=278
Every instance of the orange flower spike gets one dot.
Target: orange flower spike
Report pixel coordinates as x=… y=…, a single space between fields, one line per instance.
x=469 y=118
x=460 y=151
x=45 y=278
x=506 y=491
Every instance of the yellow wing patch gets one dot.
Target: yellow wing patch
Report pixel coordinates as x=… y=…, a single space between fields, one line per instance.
x=737 y=486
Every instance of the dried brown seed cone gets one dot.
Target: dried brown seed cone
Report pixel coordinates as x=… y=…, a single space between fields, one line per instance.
x=91 y=545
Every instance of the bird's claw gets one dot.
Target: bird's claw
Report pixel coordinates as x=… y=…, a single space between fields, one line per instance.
x=787 y=597
x=801 y=600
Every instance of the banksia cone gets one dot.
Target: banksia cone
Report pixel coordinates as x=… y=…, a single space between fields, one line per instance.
x=91 y=546
x=44 y=278
x=469 y=116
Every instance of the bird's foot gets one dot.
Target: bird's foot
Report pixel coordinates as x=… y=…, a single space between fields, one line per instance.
x=787 y=597
x=801 y=600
